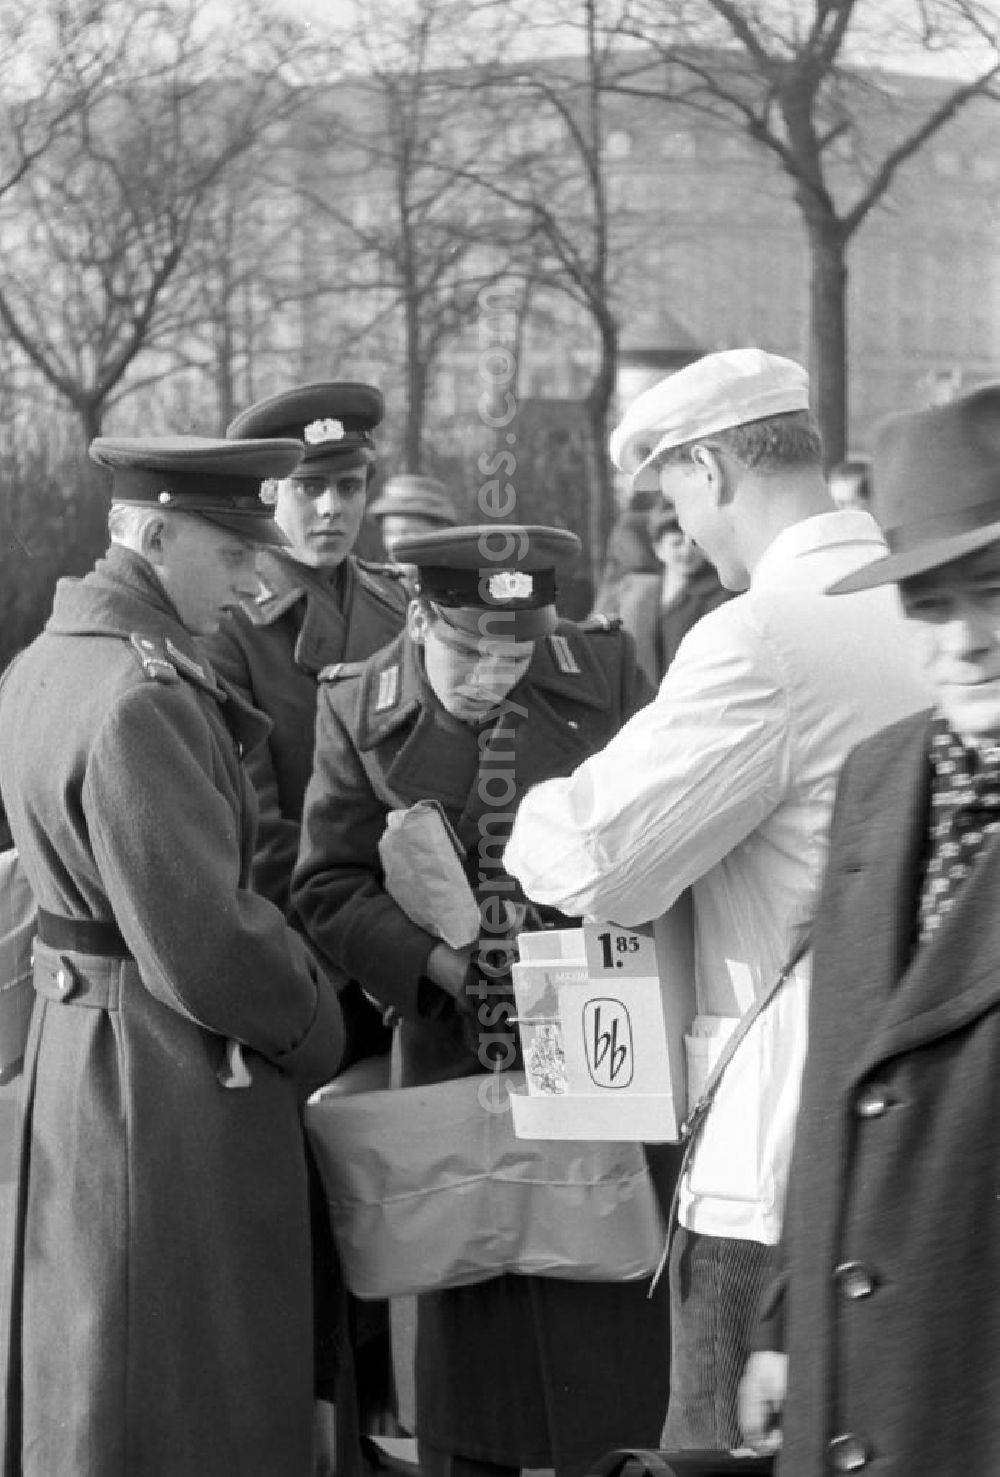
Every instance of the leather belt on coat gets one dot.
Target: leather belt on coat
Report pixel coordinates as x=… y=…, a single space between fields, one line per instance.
x=82 y=935
x=98 y=982
x=57 y=977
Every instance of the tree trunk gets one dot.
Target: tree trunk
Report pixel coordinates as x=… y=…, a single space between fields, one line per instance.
x=828 y=335
x=416 y=388
x=91 y=413
x=600 y=492
x=91 y=498
x=225 y=356
x=413 y=431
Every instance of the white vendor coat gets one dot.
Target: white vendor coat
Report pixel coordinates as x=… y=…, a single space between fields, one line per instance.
x=725 y=784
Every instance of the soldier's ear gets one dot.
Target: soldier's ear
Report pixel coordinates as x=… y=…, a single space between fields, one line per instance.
x=153 y=539
x=417 y=622
x=269 y=491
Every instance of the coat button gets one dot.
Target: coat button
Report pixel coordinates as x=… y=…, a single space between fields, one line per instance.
x=855 y=1280
x=872 y=1101
x=847 y=1453
x=64 y=982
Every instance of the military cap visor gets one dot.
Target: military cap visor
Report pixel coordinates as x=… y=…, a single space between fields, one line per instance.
x=497 y=580
x=211 y=478
x=334 y=419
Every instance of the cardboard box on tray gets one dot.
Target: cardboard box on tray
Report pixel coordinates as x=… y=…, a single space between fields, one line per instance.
x=603 y=1012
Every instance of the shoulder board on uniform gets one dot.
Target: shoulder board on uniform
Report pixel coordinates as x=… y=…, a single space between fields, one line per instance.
x=162 y=661
x=387 y=692
x=337 y=671
x=596 y=622
x=153 y=659
x=563 y=654
x=385 y=583
x=388 y=571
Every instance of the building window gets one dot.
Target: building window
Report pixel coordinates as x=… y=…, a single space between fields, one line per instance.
x=677 y=145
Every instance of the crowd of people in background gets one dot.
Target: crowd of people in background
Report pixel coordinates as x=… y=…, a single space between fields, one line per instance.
x=784 y=710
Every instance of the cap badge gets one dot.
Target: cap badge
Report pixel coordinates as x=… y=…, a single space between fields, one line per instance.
x=318 y=432
x=510 y=584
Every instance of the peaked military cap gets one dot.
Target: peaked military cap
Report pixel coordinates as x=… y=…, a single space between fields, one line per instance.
x=409 y=495
x=493 y=579
x=217 y=480
x=333 y=418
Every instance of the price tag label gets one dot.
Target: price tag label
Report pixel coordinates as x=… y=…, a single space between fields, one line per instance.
x=619 y=953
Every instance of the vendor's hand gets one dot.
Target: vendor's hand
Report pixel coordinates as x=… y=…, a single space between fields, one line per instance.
x=762 y=1398
x=448 y=968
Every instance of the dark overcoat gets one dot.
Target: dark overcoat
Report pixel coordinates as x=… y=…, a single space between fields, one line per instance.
x=157 y=1309
x=518 y=1370
x=636 y=600
x=891 y=1248
x=272 y=652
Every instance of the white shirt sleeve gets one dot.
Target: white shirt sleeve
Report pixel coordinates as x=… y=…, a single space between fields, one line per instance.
x=682 y=784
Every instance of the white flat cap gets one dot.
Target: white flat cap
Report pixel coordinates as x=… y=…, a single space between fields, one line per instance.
x=718 y=391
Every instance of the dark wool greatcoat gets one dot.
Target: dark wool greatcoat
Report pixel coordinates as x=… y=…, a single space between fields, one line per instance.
x=157 y=1310
x=636 y=600
x=519 y=1370
x=892 y=1235
x=272 y=653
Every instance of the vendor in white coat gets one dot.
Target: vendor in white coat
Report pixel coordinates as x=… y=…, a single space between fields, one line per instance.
x=725 y=784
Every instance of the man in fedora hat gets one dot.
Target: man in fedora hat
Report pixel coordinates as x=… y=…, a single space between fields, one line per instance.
x=724 y=785
x=409 y=505
x=157 y=1290
x=882 y=1318
x=484 y=694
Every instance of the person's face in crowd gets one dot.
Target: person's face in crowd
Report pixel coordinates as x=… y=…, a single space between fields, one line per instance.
x=203 y=568
x=677 y=553
x=469 y=675
x=320 y=510
x=404 y=525
x=695 y=489
x=955 y=611
x=847 y=489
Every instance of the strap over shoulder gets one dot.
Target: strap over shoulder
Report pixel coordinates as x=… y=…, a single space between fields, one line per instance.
x=338 y=671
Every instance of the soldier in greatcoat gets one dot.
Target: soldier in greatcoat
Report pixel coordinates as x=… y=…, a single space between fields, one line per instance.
x=157 y=1308
x=316 y=603
x=484 y=694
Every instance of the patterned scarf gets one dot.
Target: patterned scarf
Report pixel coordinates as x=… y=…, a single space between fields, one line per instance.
x=964 y=813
